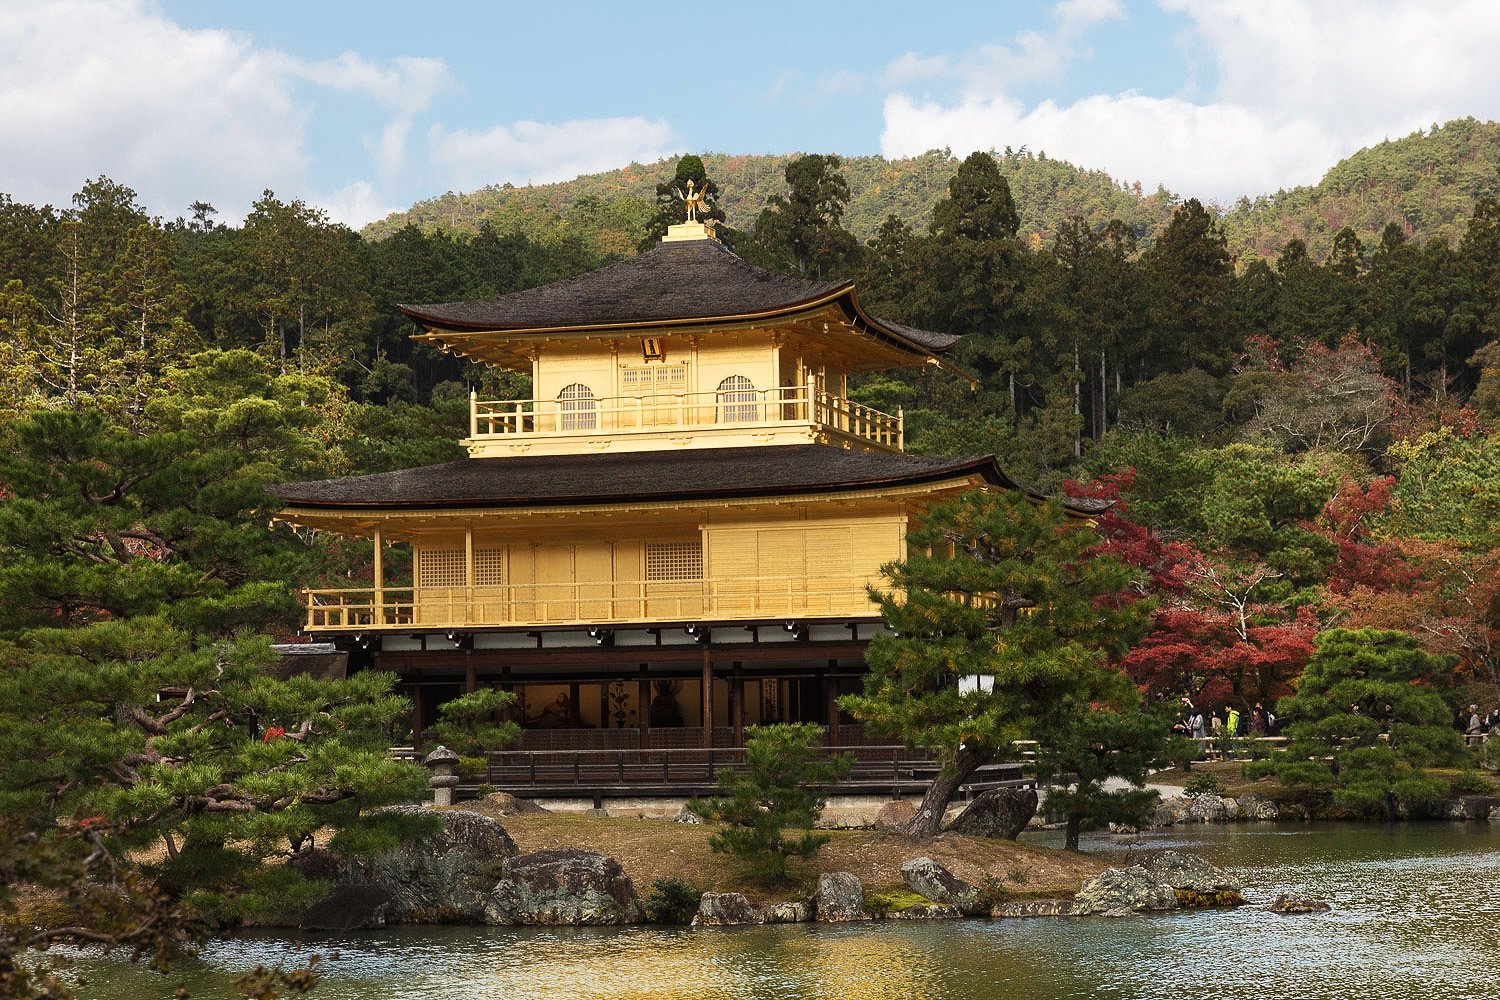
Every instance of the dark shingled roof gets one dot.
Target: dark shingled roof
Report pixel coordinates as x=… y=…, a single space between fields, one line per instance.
x=567 y=480
x=686 y=281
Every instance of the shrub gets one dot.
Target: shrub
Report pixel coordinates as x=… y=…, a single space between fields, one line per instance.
x=1204 y=784
x=777 y=790
x=672 y=901
x=1472 y=783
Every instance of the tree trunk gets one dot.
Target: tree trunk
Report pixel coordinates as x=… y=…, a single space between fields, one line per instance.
x=935 y=801
x=1075 y=825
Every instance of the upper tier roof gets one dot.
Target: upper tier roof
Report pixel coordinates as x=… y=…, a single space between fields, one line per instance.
x=679 y=283
x=580 y=480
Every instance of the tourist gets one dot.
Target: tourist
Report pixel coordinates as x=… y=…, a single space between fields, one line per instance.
x=1258 y=720
x=1197 y=726
x=1460 y=720
x=1472 y=732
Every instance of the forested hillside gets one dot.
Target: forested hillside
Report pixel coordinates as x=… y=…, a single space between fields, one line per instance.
x=1427 y=182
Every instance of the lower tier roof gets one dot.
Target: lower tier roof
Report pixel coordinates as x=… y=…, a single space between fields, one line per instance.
x=582 y=480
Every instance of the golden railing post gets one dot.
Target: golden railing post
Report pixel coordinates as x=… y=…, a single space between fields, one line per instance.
x=900 y=428
x=379 y=578
x=473 y=413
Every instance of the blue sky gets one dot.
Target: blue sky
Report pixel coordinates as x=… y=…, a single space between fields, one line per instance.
x=363 y=108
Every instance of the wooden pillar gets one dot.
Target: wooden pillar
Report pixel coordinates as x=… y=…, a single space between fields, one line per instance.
x=416 y=715
x=604 y=717
x=469 y=680
x=379 y=577
x=643 y=707
x=708 y=699
x=468 y=573
x=831 y=702
x=737 y=705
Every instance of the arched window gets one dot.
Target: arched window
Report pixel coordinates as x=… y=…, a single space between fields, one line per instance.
x=577 y=406
x=738 y=401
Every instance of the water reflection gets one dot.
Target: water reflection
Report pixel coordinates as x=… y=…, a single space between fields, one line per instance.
x=1415 y=915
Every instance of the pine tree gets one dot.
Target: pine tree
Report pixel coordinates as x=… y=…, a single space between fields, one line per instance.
x=1004 y=590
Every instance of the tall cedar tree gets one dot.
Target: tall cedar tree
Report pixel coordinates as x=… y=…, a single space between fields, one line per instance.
x=1370 y=760
x=999 y=586
x=802 y=231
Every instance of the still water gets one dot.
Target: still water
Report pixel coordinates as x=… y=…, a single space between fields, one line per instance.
x=1416 y=915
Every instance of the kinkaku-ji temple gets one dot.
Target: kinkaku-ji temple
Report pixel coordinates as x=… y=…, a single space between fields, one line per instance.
x=673 y=539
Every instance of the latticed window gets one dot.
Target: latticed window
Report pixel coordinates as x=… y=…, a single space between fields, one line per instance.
x=440 y=568
x=653 y=378
x=489 y=566
x=738 y=400
x=674 y=560
x=577 y=405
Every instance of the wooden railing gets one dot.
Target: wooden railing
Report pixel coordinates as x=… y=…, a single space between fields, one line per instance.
x=600 y=603
x=726 y=409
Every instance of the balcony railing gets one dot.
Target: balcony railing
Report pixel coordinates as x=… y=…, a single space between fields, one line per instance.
x=732 y=409
x=602 y=603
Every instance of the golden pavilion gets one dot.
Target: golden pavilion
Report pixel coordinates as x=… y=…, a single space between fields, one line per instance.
x=673 y=537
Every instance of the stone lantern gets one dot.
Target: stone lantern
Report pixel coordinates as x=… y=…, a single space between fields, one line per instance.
x=443 y=763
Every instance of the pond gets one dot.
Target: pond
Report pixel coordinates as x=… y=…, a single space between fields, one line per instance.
x=1416 y=914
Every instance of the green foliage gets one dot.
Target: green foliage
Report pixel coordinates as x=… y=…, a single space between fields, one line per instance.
x=1204 y=783
x=1335 y=748
x=476 y=722
x=1093 y=744
x=1001 y=587
x=1472 y=783
x=780 y=788
x=801 y=231
x=672 y=901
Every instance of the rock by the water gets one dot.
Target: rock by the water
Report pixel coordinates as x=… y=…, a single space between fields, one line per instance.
x=1288 y=904
x=840 y=897
x=445 y=878
x=1207 y=808
x=686 y=815
x=1187 y=871
x=1000 y=813
x=798 y=911
x=726 y=909
x=1034 y=908
x=348 y=908
x=563 y=887
x=1479 y=807
x=506 y=804
x=1120 y=891
x=1253 y=807
x=895 y=814
x=936 y=911
x=926 y=877
x=1124 y=829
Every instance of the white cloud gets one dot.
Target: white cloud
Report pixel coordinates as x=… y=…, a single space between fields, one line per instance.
x=542 y=152
x=355 y=205
x=90 y=88
x=1301 y=83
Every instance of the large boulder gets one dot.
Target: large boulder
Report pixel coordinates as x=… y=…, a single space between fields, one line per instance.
x=444 y=878
x=1207 y=808
x=1187 y=871
x=1253 y=807
x=1034 y=908
x=1000 y=813
x=1118 y=892
x=926 y=877
x=933 y=911
x=1171 y=811
x=1471 y=807
x=566 y=886
x=797 y=911
x=348 y=908
x=840 y=897
x=726 y=909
